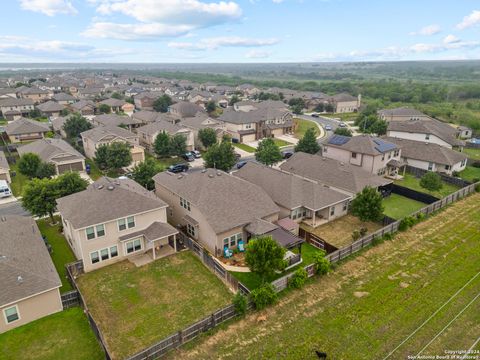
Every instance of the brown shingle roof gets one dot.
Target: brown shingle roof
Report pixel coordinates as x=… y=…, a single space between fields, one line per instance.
x=26 y=126
x=49 y=149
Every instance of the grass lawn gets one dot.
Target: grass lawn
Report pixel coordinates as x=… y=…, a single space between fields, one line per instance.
x=95 y=172
x=64 y=335
x=472 y=153
x=470 y=173
x=164 y=163
x=136 y=307
x=302 y=126
x=244 y=147
x=281 y=143
x=339 y=231
x=61 y=254
x=252 y=280
x=343 y=116
x=397 y=206
x=18 y=181
x=412 y=182
x=371 y=303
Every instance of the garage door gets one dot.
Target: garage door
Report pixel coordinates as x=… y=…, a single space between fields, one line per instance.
x=248 y=138
x=74 y=166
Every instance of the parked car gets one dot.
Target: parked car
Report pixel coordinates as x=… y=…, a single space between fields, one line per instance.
x=241 y=164
x=196 y=154
x=328 y=128
x=237 y=156
x=178 y=168
x=315 y=115
x=287 y=154
x=4 y=189
x=342 y=124
x=188 y=156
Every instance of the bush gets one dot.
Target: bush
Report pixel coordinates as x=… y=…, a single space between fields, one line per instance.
x=240 y=302
x=431 y=181
x=476 y=164
x=388 y=236
x=355 y=235
x=377 y=240
x=263 y=296
x=420 y=216
x=477 y=188
x=363 y=231
x=406 y=223
x=322 y=264
x=298 y=279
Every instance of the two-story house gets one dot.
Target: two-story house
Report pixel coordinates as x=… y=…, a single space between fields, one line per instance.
x=119 y=219
x=35 y=94
x=24 y=129
x=13 y=109
x=51 y=108
x=148 y=133
x=183 y=109
x=401 y=114
x=373 y=154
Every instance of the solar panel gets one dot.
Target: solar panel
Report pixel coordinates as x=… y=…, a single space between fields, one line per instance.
x=338 y=140
x=383 y=146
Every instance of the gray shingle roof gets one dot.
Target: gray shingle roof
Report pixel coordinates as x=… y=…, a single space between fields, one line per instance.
x=15 y=102
x=63 y=97
x=288 y=190
x=160 y=126
x=26 y=268
x=157 y=230
x=50 y=106
x=49 y=149
x=25 y=126
x=99 y=204
x=362 y=144
x=99 y=132
x=401 y=111
x=332 y=173
x=186 y=108
x=115 y=120
x=225 y=201
x=113 y=102
x=265 y=110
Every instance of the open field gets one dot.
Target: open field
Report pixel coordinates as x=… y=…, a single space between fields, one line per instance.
x=339 y=231
x=410 y=181
x=64 y=335
x=136 y=307
x=244 y=147
x=397 y=206
x=363 y=310
x=303 y=126
x=61 y=252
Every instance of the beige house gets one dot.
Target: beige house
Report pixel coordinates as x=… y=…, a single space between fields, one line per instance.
x=115 y=120
x=401 y=114
x=35 y=94
x=104 y=135
x=203 y=121
x=183 y=109
x=29 y=282
x=24 y=129
x=119 y=219
x=148 y=133
x=4 y=168
x=345 y=103
x=13 y=109
x=64 y=99
x=373 y=154
x=298 y=198
x=84 y=107
x=50 y=108
x=57 y=152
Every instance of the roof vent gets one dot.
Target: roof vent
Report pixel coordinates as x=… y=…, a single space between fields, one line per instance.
x=19 y=279
x=204 y=171
x=110 y=187
x=426 y=143
x=117 y=182
x=219 y=173
x=342 y=163
x=180 y=177
x=211 y=175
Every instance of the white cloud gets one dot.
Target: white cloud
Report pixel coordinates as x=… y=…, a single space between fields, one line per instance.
x=277 y=1
x=215 y=43
x=134 y=31
x=49 y=7
x=427 y=30
x=469 y=20
x=450 y=39
x=258 y=54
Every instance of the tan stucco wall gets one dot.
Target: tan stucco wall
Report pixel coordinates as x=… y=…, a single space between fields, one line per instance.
x=32 y=309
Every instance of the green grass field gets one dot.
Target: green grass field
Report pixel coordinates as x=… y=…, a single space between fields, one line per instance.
x=136 y=307
x=397 y=206
x=64 y=335
x=95 y=172
x=281 y=143
x=244 y=147
x=470 y=173
x=61 y=254
x=18 y=181
x=374 y=303
x=302 y=127
x=472 y=153
x=412 y=182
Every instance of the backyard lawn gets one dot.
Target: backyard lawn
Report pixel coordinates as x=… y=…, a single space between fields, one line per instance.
x=303 y=126
x=472 y=153
x=339 y=231
x=401 y=298
x=95 y=172
x=281 y=143
x=397 y=206
x=410 y=181
x=470 y=174
x=64 y=335
x=61 y=254
x=18 y=181
x=244 y=147
x=164 y=163
x=136 y=307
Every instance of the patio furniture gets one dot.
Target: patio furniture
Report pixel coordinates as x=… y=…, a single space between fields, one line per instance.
x=241 y=246
x=227 y=253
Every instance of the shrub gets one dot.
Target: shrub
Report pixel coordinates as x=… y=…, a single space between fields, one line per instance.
x=406 y=223
x=420 y=216
x=388 y=236
x=355 y=235
x=431 y=181
x=298 y=279
x=263 y=296
x=377 y=240
x=240 y=303
x=363 y=231
x=477 y=188
x=322 y=264
x=476 y=164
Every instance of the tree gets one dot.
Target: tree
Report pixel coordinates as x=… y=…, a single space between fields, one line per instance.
x=329 y=108
x=207 y=136
x=64 y=112
x=28 y=164
x=70 y=183
x=367 y=206
x=113 y=156
x=162 y=103
x=101 y=157
x=268 y=152
x=264 y=256
x=104 y=109
x=45 y=170
x=35 y=113
x=161 y=145
x=431 y=181
x=178 y=145
x=379 y=127
x=320 y=107
x=234 y=99
x=116 y=95
x=297 y=105
x=211 y=106
x=343 y=131
x=144 y=172
x=220 y=156
x=75 y=125
x=308 y=143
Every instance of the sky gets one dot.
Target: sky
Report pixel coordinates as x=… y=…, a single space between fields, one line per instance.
x=238 y=31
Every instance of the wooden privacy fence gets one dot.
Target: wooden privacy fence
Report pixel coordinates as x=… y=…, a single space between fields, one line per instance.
x=316 y=241
x=70 y=299
x=447 y=178
x=393 y=227
x=282 y=283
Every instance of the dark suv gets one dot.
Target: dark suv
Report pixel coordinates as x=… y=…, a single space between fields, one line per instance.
x=188 y=156
x=178 y=168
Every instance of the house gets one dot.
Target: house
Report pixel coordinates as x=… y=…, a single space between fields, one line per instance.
x=51 y=108
x=118 y=105
x=34 y=94
x=24 y=129
x=145 y=100
x=203 y=121
x=116 y=120
x=430 y=130
x=242 y=211
x=130 y=92
x=430 y=156
x=89 y=92
x=8 y=93
x=12 y=108
x=184 y=109
x=57 y=125
x=371 y=153
x=104 y=135
x=464 y=132
x=148 y=133
x=249 y=121
x=345 y=103
x=29 y=282
x=57 y=152
x=64 y=99
x=119 y=220
x=84 y=107
x=401 y=114
x=147 y=117
x=4 y=168
x=248 y=89
x=298 y=198
x=340 y=176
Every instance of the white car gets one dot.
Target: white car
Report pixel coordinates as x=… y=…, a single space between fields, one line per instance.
x=4 y=189
x=196 y=154
x=342 y=124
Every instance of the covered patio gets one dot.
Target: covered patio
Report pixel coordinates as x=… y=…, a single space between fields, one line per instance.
x=394 y=167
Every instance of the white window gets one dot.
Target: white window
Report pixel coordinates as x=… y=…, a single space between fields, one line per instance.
x=427 y=136
x=133 y=246
x=113 y=251
x=191 y=230
x=185 y=204
x=430 y=166
x=11 y=314
x=332 y=211
x=233 y=240
x=354 y=155
x=100 y=230
x=90 y=231
x=104 y=255
x=122 y=224
x=93 y=232
x=94 y=257
x=131 y=222
x=345 y=206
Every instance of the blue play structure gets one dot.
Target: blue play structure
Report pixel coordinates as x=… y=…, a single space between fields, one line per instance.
x=227 y=253
x=241 y=246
